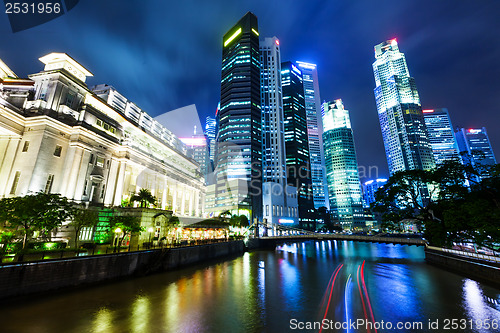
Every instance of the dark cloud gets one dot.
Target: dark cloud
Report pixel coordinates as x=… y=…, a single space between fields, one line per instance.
x=164 y=55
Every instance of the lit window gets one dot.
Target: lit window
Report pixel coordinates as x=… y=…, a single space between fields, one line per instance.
x=16 y=181
x=57 y=151
x=26 y=145
x=48 y=184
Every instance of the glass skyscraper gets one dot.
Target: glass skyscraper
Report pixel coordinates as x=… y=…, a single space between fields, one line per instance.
x=344 y=190
x=296 y=141
x=405 y=136
x=239 y=153
x=273 y=131
x=279 y=200
x=441 y=135
x=211 y=133
x=314 y=132
x=475 y=148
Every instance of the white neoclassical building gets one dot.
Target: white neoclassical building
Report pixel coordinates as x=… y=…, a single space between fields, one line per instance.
x=59 y=136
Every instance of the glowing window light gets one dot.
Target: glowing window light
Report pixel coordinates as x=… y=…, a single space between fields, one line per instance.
x=255 y=31
x=233 y=36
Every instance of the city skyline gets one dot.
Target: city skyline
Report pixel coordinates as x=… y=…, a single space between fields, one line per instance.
x=344 y=59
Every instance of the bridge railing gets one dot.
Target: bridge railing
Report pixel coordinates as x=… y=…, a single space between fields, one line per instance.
x=377 y=239
x=467 y=254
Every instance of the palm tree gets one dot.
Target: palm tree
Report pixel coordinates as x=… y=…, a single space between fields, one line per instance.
x=145 y=197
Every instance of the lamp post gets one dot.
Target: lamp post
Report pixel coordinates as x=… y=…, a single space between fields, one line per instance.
x=150 y=230
x=117 y=232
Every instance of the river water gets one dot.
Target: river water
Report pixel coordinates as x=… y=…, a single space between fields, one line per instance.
x=327 y=286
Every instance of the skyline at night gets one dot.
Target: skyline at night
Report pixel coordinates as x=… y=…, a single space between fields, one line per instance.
x=164 y=64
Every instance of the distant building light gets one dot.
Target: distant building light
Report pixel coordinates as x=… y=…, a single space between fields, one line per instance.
x=306 y=65
x=255 y=31
x=198 y=142
x=286 y=221
x=233 y=36
x=277 y=42
x=427 y=111
x=369 y=182
x=381 y=179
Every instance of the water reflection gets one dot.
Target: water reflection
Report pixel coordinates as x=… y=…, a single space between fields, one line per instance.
x=262 y=291
x=103 y=322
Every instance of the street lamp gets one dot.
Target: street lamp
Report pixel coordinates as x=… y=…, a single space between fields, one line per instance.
x=150 y=230
x=117 y=232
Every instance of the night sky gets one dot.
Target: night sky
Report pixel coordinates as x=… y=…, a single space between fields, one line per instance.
x=164 y=55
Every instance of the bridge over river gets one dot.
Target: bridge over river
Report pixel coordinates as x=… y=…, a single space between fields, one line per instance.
x=358 y=238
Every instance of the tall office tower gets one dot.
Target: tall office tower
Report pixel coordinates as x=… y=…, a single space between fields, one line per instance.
x=441 y=135
x=314 y=132
x=277 y=204
x=475 y=149
x=344 y=190
x=405 y=136
x=369 y=188
x=296 y=142
x=239 y=169
x=273 y=131
x=197 y=149
x=210 y=132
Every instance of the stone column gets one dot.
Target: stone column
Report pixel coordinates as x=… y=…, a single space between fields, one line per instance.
x=111 y=182
x=119 y=184
x=6 y=164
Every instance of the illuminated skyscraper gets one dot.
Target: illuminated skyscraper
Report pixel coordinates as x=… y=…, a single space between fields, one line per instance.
x=369 y=188
x=239 y=152
x=441 y=136
x=211 y=133
x=405 y=136
x=342 y=176
x=314 y=132
x=273 y=131
x=296 y=141
x=279 y=200
x=475 y=148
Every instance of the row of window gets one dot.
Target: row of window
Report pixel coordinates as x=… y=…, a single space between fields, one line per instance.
x=57 y=151
x=17 y=176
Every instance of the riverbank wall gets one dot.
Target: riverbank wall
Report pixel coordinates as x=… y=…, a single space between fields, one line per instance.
x=47 y=275
x=478 y=269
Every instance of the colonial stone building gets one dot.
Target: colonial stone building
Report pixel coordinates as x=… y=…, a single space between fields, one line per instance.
x=59 y=136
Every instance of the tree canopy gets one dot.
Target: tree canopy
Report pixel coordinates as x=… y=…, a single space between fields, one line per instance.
x=144 y=197
x=38 y=212
x=448 y=200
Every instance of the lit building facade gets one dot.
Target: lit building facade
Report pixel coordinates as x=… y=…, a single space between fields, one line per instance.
x=441 y=135
x=404 y=133
x=314 y=133
x=211 y=134
x=57 y=136
x=238 y=187
x=197 y=149
x=279 y=200
x=475 y=149
x=296 y=142
x=344 y=188
x=369 y=188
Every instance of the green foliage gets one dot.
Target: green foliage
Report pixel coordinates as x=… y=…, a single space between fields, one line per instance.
x=225 y=215
x=144 y=197
x=39 y=212
x=441 y=200
x=173 y=221
x=83 y=218
x=127 y=223
x=239 y=221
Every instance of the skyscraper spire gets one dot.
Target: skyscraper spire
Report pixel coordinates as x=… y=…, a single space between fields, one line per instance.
x=405 y=136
